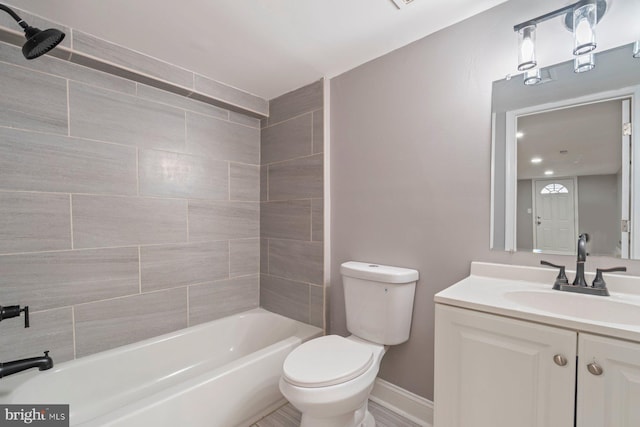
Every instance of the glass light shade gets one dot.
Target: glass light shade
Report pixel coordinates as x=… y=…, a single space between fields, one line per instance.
x=527 y=48
x=584 y=63
x=636 y=49
x=584 y=24
x=532 y=77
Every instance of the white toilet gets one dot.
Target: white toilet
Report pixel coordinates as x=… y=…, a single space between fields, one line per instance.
x=329 y=378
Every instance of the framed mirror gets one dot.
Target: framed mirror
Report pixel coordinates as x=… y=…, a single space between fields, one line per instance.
x=563 y=159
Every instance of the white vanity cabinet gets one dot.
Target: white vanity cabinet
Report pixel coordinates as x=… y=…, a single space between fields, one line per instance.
x=493 y=371
x=496 y=371
x=613 y=397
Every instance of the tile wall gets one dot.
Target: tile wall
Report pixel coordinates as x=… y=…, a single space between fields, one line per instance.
x=127 y=212
x=291 y=216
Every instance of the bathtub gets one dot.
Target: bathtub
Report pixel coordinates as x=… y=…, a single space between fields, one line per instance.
x=222 y=373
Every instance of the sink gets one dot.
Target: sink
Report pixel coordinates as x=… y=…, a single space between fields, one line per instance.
x=596 y=308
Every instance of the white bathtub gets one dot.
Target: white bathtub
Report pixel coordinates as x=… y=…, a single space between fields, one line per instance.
x=222 y=373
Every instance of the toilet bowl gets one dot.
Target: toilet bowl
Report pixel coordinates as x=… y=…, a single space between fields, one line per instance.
x=329 y=379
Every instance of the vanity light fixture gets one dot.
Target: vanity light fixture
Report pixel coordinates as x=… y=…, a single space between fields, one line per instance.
x=527 y=48
x=532 y=77
x=580 y=18
x=584 y=63
x=584 y=26
x=636 y=49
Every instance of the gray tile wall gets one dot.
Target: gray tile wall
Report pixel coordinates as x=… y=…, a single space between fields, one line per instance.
x=131 y=66
x=291 y=216
x=125 y=211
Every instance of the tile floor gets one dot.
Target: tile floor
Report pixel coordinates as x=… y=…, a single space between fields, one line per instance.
x=288 y=416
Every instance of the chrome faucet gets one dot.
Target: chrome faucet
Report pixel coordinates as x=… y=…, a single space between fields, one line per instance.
x=42 y=363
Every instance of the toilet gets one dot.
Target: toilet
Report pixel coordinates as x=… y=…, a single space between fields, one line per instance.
x=329 y=379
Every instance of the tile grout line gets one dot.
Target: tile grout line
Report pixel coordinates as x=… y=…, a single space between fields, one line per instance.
x=291 y=118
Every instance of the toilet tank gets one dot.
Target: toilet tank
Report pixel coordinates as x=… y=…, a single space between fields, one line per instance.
x=378 y=301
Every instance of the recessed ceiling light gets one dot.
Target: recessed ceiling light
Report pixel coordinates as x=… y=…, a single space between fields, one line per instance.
x=536 y=160
x=519 y=134
x=549 y=172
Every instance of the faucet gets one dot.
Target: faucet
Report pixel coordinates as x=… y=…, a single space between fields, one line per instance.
x=42 y=363
x=582 y=257
x=598 y=287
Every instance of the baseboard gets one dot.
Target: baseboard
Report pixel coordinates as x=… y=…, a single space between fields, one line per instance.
x=403 y=402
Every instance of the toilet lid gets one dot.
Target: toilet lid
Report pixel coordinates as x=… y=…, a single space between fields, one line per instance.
x=326 y=361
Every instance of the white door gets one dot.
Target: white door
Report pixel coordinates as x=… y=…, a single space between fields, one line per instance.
x=612 y=398
x=492 y=371
x=555 y=216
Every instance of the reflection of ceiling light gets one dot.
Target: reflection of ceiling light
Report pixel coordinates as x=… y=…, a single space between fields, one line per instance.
x=532 y=77
x=519 y=134
x=536 y=160
x=548 y=172
x=584 y=63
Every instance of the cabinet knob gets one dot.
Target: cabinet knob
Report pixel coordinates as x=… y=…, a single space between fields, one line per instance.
x=594 y=368
x=560 y=360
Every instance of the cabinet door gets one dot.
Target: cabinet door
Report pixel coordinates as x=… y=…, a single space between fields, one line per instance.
x=613 y=397
x=492 y=371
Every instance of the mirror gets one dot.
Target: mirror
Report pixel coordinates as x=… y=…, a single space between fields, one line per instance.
x=573 y=126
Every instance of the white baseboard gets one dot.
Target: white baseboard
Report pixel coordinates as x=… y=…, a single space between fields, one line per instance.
x=409 y=405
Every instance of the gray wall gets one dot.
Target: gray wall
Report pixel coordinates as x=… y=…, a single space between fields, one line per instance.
x=291 y=217
x=411 y=162
x=524 y=231
x=125 y=212
x=599 y=213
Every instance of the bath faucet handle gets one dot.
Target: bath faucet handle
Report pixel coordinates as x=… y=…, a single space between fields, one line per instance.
x=599 y=282
x=9 y=311
x=562 y=277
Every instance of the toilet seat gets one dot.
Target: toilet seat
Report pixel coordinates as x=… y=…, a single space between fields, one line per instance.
x=326 y=361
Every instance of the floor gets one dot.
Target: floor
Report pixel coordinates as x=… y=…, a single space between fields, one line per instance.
x=288 y=416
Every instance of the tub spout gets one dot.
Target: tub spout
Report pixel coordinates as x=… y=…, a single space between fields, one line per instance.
x=42 y=363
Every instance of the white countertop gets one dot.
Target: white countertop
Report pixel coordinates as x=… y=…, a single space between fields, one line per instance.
x=526 y=293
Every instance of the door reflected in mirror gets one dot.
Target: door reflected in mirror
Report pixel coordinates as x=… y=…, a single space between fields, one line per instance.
x=571 y=179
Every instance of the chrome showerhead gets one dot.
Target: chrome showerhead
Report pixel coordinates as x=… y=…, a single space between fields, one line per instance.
x=38 y=41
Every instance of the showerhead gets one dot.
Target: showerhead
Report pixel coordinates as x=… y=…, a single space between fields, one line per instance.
x=38 y=42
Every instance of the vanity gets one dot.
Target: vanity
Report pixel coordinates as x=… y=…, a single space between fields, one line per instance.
x=511 y=351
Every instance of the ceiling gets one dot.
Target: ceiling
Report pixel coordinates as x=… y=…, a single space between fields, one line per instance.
x=266 y=47
x=576 y=141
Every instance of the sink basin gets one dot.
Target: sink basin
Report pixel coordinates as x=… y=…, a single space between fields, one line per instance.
x=595 y=308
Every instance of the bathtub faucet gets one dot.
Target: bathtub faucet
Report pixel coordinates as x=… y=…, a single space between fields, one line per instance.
x=42 y=363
